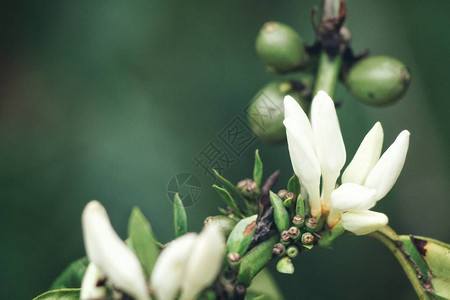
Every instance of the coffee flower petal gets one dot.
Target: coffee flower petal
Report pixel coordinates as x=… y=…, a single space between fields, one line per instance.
x=205 y=262
x=366 y=156
x=384 y=174
x=329 y=144
x=89 y=285
x=354 y=197
x=109 y=253
x=304 y=162
x=170 y=266
x=363 y=222
x=293 y=110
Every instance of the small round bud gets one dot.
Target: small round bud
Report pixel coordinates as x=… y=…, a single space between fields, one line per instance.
x=311 y=224
x=378 y=80
x=234 y=260
x=307 y=238
x=233 y=257
x=282 y=193
x=280 y=47
x=279 y=249
x=290 y=195
x=292 y=251
x=266 y=111
x=248 y=187
x=285 y=237
x=298 y=221
x=294 y=232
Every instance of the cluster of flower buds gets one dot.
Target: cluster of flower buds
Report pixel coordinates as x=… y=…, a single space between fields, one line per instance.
x=318 y=154
x=297 y=230
x=186 y=266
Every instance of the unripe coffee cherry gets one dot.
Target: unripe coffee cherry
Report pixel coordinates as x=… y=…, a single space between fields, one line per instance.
x=378 y=80
x=266 y=111
x=280 y=47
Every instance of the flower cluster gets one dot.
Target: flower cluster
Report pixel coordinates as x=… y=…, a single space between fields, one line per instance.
x=190 y=263
x=318 y=154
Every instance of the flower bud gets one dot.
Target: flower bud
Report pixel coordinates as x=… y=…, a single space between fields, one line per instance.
x=363 y=222
x=168 y=272
x=205 y=262
x=311 y=224
x=298 y=221
x=307 y=238
x=266 y=111
x=292 y=251
x=248 y=188
x=294 y=233
x=279 y=249
x=91 y=286
x=109 y=253
x=234 y=260
x=280 y=47
x=386 y=171
x=378 y=80
x=225 y=223
x=285 y=266
x=282 y=193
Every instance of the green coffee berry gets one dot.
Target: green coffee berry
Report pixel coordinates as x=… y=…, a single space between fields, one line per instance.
x=280 y=47
x=266 y=111
x=378 y=80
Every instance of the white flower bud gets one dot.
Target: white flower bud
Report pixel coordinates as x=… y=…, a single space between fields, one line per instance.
x=204 y=263
x=89 y=287
x=354 y=197
x=384 y=174
x=293 y=110
x=363 y=222
x=109 y=253
x=329 y=144
x=304 y=162
x=169 y=270
x=366 y=156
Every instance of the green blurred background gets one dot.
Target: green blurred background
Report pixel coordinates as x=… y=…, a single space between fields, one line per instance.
x=108 y=100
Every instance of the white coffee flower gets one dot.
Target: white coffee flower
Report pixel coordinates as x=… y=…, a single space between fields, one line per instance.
x=316 y=148
x=367 y=179
x=204 y=262
x=109 y=253
x=169 y=270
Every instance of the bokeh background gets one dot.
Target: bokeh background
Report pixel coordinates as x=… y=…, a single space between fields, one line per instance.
x=108 y=100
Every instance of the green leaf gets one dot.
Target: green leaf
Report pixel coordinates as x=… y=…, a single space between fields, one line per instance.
x=231 y=187
x=61 y=294
x=280 y=214
x=179 y=216
x=228 y=199
x=436 y=255
x=242 y=235
x=257 y=169
x=255 y=260
x=72 y=276
x=411 y=249
x=294 y=185
x=142 y=240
